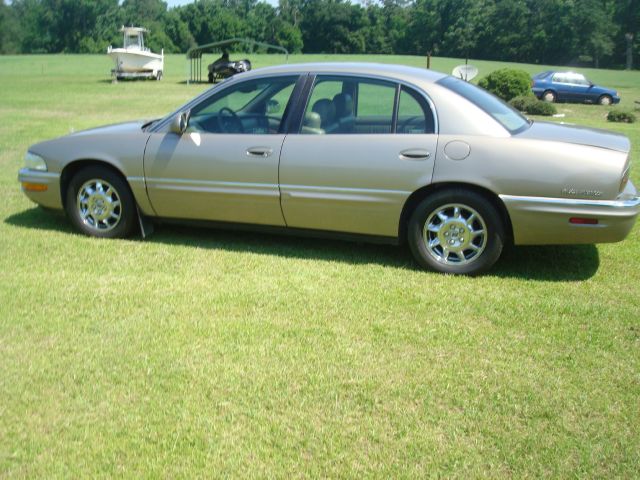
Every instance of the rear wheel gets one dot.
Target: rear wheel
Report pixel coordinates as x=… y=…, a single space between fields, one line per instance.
x=549 y=96
x=100 y=204
x=456 y=231
x=159 y=75
x=605 y=100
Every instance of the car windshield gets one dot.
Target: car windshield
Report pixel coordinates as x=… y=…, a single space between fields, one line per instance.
x=506 y=115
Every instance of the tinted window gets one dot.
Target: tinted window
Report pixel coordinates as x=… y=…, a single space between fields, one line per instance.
x=340 y=105
x=414 y=114
x=507 y=116
x=254 y=107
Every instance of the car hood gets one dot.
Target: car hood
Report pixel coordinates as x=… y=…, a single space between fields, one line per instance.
x=126 y=127
x=557 y=132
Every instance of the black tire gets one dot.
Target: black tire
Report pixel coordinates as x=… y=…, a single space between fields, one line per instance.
x=210 y=77
x=605 y=100
x=99 y=203
x=549 y=96
x=476 y=235
x=159 y=75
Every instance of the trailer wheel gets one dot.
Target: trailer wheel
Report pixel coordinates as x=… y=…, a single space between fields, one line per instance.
x=159 y=75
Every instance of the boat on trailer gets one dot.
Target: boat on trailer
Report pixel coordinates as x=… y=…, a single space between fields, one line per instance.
x=134 y=60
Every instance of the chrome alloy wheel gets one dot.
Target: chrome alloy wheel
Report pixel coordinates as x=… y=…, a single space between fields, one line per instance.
x=455 y=234
x=99 y=205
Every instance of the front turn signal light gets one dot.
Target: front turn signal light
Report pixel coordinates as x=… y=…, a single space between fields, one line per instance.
x=34 y=187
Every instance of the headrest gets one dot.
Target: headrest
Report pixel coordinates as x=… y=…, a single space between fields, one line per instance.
x=312 y=120
x=325 y=108
x=344 y=104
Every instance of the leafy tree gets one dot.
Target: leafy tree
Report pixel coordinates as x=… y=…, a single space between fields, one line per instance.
x=178 y=31
x=9 y=31
x=595 y=29
x=535 y=31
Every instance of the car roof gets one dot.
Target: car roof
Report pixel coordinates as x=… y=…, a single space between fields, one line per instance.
x=400 y=72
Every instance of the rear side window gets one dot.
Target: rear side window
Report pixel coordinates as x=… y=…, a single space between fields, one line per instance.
x=342 y=105
x=351 y=105
x=502 y=112
x=414 y=113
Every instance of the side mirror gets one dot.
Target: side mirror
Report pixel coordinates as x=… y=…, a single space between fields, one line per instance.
x=179 y=123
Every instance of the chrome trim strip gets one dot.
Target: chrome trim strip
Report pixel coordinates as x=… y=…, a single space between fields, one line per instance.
x=574 y=202
x=339 y=194
x=263 y=189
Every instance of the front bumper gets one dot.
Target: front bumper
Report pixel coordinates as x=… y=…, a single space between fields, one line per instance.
x=545 y=221
x=42 y=188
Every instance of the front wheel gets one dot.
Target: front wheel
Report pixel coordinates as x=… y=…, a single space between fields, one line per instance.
x=605 y=100
x=456 y=231
x=100 y=204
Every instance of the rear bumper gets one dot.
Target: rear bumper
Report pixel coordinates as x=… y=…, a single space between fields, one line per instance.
x=545 y=221
x=42 y=188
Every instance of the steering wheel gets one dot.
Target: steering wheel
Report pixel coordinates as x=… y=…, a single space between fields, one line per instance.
x=229 y=121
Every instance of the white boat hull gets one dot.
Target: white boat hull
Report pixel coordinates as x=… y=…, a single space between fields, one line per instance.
x=128 y=61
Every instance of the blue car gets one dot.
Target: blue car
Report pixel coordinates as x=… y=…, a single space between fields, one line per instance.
x=553 y=86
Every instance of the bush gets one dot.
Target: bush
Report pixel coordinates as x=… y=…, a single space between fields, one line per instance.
x=521 y=101
x=531 y=105
x=507 y=83
x=621 y=116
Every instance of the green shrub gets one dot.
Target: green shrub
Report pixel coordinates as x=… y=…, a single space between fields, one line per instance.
x=621 y=116
x=531 y=105
x=538 y=107
x=521 y=101
x=507 y=83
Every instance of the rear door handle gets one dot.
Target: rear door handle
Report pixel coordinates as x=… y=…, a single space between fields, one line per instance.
x=259 y=152
x=414 y=154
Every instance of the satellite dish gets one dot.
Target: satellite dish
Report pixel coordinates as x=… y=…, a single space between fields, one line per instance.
x=465 y=72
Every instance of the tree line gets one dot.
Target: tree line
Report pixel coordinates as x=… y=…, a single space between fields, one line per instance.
x=588 y=32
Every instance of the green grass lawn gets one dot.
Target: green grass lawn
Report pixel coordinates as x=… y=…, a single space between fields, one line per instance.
x=203 y=353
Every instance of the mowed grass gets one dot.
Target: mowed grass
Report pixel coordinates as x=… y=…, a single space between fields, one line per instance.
x=204 y=353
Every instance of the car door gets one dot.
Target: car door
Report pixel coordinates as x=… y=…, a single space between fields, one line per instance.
x=562 y=86
x=363 y=147
x=580 y=89
x=224 y=167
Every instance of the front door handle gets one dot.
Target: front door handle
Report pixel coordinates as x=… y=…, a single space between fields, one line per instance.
x=414 y=154
x=259 y=152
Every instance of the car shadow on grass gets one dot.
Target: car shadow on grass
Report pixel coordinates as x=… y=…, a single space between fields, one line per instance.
x=544 y=263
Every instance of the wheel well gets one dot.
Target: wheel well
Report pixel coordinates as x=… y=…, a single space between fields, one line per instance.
x=419 y=195
x=74 y=167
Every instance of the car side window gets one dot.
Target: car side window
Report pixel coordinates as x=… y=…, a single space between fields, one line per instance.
x=250 y=107
x=343 y=105
x=581 y=80
x=414 y=113
x=560 y=78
